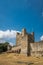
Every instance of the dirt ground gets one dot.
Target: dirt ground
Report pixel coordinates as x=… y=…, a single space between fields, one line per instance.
x=19 y=59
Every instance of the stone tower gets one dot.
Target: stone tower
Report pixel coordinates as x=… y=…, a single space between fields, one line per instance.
x=24 y=39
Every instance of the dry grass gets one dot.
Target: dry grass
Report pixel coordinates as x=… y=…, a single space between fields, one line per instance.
x=18 y=59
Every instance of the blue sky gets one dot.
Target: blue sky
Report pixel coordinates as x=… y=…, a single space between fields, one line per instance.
x=18 y=14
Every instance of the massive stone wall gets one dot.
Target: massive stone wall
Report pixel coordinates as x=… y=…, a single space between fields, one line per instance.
x=18 y=39
x=23 y=39
x=25 y=42
x=36 y=49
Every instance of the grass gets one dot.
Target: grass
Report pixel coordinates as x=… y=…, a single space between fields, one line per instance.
x=19 y=59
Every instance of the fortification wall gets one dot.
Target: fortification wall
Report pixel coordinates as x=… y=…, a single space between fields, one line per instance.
x=21 y=39
x=36 y=49
x=24 y=43
x=18 y=39
x=24 y=40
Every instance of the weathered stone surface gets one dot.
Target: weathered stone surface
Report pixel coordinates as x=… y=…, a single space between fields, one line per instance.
x=36 y=49
x=23 y=39
x=25 y=42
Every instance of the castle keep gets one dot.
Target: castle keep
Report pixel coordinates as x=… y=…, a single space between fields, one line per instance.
x=24 y=39
x=26 y=45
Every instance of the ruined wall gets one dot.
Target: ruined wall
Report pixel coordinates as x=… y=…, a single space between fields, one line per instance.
x=21 y=39
x=36 y=49
x=18 y=39
x=30 y=40
x=24 y=40
x=27 y=44
x=24 y=43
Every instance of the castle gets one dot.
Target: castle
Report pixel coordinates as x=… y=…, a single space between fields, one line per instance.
x=26 y=45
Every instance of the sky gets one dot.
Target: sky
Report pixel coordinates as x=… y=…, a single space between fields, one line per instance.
x=18 y=14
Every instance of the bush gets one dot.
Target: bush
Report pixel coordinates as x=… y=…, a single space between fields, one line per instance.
x=3 y=47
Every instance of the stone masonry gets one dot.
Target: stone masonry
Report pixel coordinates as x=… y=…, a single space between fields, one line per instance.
x=26 y=45
x=36 y=49
x=24 y=39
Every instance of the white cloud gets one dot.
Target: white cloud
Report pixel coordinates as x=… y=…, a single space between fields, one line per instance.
x=8 y=34
x=11 y=43
x=41 y=38
x=2 y=41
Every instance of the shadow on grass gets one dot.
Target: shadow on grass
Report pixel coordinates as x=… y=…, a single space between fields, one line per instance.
x=26 y=63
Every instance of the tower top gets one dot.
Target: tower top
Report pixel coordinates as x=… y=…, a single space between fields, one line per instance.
x=23 y=29
x=23 y=32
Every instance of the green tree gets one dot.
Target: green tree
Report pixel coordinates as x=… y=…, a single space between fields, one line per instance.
x=3 y=47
